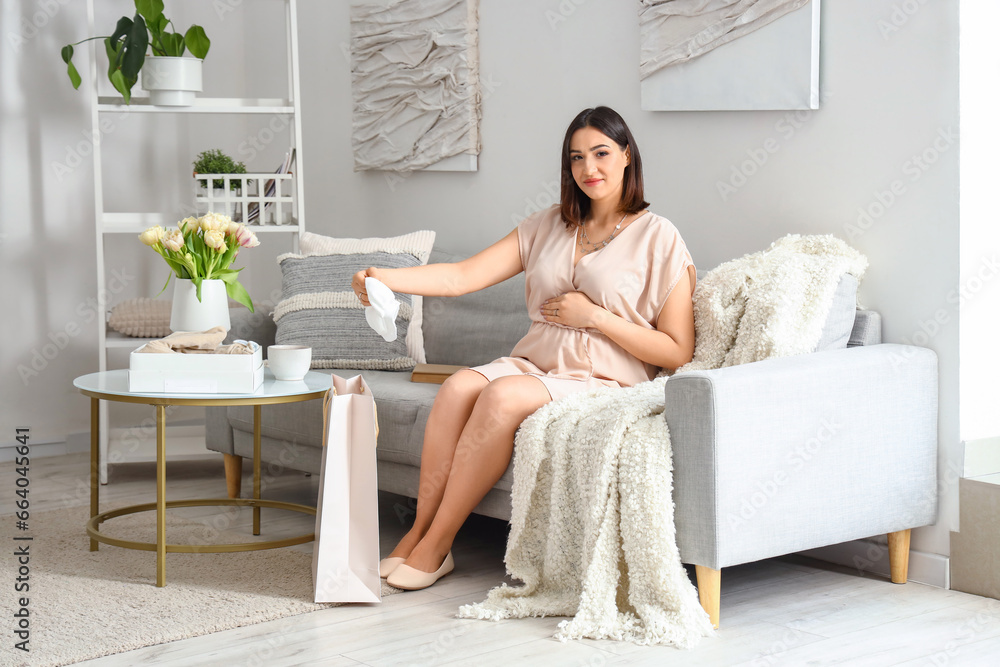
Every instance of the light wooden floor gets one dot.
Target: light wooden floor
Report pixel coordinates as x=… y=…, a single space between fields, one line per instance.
x=789 y=611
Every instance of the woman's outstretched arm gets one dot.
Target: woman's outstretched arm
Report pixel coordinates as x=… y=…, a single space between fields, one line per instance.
x=497 y=263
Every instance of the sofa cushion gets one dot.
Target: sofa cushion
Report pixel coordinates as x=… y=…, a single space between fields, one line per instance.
x=318 y=308
x=840 y=320
x=867 y=328
x=476 y=328
x=402 y=408
x=418 y=244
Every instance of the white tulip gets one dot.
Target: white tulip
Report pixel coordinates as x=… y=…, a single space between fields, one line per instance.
x=215 y=239
x=152 y=236
x=214 y=222
x=173 y=240
x=188 y=224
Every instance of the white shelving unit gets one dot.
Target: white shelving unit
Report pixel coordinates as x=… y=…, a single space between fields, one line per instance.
x=108 y=223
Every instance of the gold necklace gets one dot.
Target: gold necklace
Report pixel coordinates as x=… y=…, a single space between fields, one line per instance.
x=600 y=244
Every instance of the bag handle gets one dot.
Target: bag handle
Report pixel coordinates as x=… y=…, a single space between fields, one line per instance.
x=328 y=399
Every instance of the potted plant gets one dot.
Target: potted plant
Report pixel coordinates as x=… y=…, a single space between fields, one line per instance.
x=200 y=252
x=126 y=50
x=214 y=161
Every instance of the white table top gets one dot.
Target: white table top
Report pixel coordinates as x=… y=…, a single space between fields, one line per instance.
x=115 y=383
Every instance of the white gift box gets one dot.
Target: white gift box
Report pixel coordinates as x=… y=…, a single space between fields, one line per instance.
x=195 y=373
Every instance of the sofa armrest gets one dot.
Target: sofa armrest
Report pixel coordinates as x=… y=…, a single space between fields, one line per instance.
x=789 y=454
x=258 y=326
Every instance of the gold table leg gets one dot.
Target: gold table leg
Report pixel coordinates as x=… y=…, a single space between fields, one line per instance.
x=256 y=468
x=161 y=496
x=95 y=481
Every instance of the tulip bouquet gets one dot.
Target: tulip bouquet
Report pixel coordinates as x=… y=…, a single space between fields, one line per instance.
x=203 y=249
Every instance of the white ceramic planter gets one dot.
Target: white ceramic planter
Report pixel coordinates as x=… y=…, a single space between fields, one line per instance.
x=171 y=81
x=189 y=314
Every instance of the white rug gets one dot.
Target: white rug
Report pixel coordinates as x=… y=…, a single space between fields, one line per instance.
x=85 y=604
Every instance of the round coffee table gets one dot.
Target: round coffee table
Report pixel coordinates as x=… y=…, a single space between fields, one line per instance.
x=113 y=386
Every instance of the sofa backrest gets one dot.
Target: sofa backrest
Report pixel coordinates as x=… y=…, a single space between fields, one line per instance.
x=476 y=328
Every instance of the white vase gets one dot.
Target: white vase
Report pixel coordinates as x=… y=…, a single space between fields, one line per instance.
x=189 y=314
x=171 y=81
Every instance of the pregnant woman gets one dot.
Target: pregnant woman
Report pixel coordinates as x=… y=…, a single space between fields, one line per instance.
x=608 y=287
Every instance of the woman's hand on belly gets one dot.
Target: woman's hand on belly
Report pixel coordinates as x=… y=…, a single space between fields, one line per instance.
x=572 y=309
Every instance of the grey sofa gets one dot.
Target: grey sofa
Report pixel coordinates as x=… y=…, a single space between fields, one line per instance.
x=770 y=458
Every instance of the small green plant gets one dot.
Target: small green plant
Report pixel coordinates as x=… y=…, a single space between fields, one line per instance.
x=214 y=161
x=126 y=47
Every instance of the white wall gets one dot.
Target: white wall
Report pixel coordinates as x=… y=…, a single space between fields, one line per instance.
x=980 y=235
x=890 y=86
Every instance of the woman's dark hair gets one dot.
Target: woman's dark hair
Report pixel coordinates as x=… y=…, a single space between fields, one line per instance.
x=574 y=202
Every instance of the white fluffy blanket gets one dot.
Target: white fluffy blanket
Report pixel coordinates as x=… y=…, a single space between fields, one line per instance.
x=772 y=303
x=592 y=525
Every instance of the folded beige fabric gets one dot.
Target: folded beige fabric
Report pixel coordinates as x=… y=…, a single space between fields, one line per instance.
x=234 y=348
x=188 y=342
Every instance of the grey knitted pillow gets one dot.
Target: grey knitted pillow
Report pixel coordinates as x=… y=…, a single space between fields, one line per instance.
x=319 y=309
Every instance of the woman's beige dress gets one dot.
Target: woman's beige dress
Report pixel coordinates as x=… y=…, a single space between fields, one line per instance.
x=631 y=277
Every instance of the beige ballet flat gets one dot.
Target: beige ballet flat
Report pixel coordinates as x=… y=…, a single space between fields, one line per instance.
x=412 y=579
x=387 y=565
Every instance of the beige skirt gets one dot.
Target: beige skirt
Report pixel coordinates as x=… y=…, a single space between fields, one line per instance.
x=558 y=386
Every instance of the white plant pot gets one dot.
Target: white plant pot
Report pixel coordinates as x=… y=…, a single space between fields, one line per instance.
x=171 y=81
x=189 y=314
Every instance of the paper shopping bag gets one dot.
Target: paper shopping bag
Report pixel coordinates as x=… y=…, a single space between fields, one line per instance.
x=346 y=552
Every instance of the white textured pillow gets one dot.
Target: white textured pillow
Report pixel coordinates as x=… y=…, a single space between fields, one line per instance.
x=418 y=244
x=142 y=318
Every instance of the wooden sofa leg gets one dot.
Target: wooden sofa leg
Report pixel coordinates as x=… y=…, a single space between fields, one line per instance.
x=899 y=555
x=234 y=474
x=709 y=591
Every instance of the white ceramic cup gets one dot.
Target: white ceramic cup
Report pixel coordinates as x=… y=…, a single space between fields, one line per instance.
x=289 y=362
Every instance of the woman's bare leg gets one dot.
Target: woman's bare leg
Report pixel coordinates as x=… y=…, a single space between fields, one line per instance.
x=481 y=457
x=451 y=410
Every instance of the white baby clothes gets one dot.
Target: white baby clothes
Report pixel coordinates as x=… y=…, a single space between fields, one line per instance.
x=381 y=314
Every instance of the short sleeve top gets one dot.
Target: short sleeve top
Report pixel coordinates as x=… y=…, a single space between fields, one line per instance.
x=631 y=277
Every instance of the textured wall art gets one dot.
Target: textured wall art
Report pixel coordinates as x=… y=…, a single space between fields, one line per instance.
x=729 y=54
x=415 y=84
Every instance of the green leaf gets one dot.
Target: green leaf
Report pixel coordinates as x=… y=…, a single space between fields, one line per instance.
x=151 y=10
x=177 y=266
x=126 y=49
x=197 y=283
x=136 y=42
x=169 y=274
x=228 y=275
x=118 y=81
x=67 y=56
x=156 y=29
x=121 y=29
x=111 y=49
x=239 y=294
x=74 y=76
x=226 y=259
x=197 y=41
x=173 y=44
